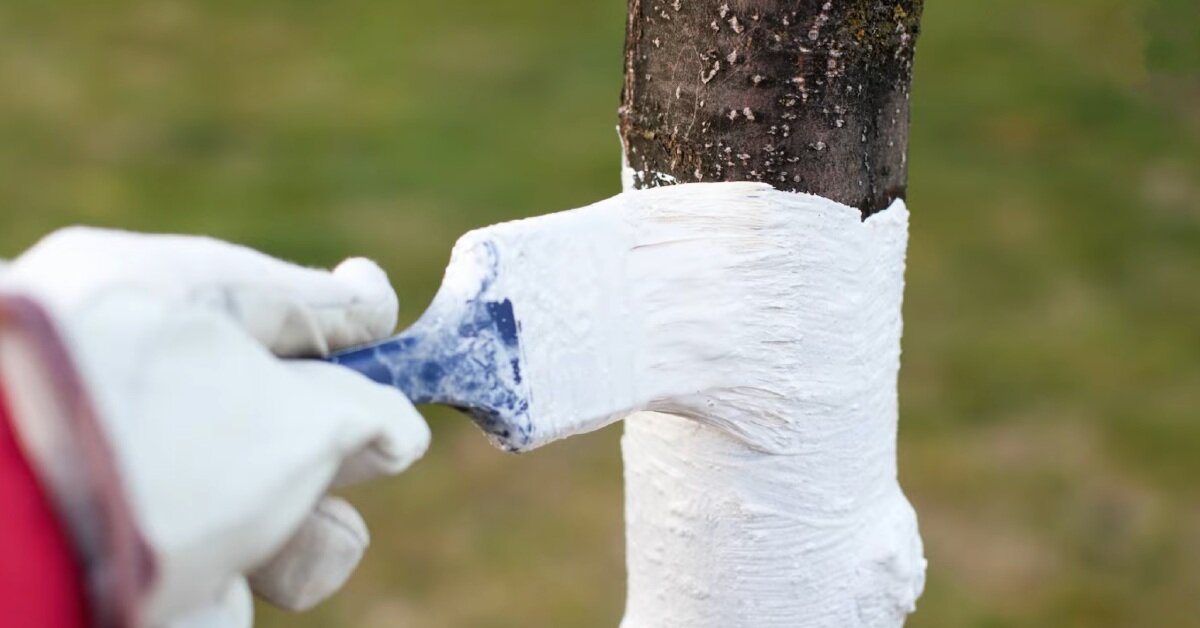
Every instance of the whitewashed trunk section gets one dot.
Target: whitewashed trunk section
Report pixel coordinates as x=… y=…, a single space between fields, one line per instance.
x=777 y=504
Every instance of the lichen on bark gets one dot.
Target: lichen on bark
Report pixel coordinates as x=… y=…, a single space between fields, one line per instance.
x=807 y=95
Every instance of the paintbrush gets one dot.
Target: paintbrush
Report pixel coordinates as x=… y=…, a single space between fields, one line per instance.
x=656 y=299
x=510 y=336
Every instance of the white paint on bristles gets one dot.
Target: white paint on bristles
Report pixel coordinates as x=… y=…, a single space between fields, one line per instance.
x=760 y=332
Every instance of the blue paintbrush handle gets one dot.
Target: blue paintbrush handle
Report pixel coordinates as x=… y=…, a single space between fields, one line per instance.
x=468 y=358
x=394 y=362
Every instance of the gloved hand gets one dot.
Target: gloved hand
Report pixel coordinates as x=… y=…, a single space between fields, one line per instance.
x=224 y=450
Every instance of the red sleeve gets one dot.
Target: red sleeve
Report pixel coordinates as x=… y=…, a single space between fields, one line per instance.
x=40 y=582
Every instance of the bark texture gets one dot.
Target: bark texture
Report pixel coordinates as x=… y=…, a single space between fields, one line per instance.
x=807 y=95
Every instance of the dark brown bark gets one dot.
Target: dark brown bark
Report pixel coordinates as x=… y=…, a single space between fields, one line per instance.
x=807 y=95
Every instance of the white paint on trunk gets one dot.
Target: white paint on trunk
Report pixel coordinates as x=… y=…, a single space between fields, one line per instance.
x=769 y=497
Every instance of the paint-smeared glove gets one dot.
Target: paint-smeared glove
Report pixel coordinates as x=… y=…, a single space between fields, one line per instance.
x=225 y=450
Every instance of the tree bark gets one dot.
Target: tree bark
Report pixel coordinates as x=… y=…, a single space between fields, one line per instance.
x=807 y=95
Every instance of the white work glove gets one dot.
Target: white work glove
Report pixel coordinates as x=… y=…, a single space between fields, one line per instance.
x=225 y=450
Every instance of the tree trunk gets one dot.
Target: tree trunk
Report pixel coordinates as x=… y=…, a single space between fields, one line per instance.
x=808 y=95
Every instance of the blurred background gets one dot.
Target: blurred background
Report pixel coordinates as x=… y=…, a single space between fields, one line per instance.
x=1050 y=394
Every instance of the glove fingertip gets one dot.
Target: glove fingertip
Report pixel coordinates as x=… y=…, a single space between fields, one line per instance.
x=317 y=560
x=382 y=307
x=338 y=512
x=405 y=439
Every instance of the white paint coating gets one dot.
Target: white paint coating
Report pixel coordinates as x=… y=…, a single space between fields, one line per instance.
x=776 y=503
x=762 y=329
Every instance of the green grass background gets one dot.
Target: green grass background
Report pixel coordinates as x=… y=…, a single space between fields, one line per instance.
x=1050 y=394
